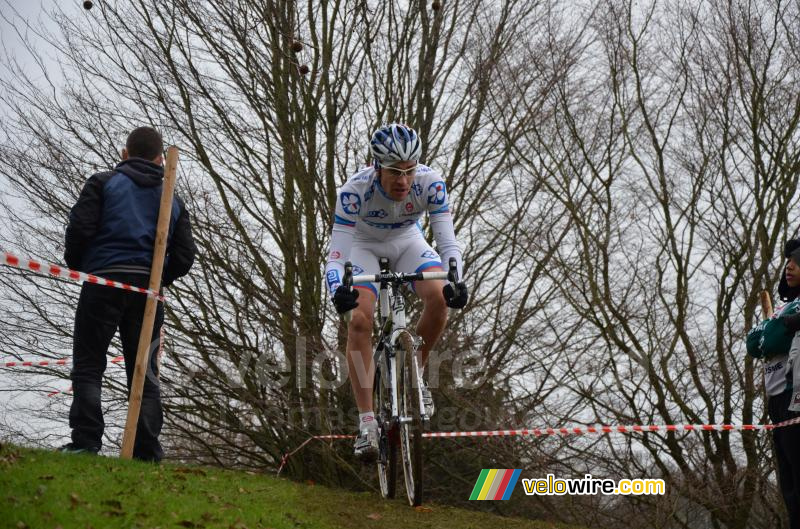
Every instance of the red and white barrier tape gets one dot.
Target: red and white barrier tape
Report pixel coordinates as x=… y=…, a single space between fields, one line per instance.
x=573 y=430
x=72 y=275
x=54 y=393
x=45 y=363
x=61 y=362
x=581 y=430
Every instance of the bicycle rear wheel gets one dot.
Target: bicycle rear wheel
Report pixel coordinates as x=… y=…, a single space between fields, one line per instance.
x=411 y=419
x=387 y=441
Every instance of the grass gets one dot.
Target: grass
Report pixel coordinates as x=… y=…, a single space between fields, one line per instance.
x=41 y=489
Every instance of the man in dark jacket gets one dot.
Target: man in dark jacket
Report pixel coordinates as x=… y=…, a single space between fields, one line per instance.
x=111 y=233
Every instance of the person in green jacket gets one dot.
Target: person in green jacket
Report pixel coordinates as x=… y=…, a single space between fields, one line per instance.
x=771 y=340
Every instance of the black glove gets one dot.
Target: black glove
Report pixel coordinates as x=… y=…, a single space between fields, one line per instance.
x=344 y=299
x=792 y=322
x=456 y=298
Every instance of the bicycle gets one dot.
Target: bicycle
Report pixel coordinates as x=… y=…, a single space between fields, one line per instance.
x=397 y=388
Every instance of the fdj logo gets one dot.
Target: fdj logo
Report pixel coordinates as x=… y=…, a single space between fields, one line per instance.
x=437 y=193
x=351 y=203
x=495 y=484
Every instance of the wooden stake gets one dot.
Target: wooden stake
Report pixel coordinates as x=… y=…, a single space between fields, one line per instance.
x=146 y=335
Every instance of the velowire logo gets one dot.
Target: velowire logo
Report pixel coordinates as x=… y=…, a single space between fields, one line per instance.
x=495 y=484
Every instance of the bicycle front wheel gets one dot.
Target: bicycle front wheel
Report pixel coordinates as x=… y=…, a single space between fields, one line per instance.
x=387 y=442
x=410 y=418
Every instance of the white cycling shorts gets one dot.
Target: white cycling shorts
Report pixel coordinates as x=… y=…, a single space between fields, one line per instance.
x=407 y=255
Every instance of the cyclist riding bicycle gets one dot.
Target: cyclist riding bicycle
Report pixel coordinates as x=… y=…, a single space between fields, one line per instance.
x=377 y=215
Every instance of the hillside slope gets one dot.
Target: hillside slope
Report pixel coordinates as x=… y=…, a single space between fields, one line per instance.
x=48 y=490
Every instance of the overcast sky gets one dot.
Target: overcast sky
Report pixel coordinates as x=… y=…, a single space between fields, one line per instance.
x=29 y=9
x=18 y=12
x=23 y=19
x=15 y=406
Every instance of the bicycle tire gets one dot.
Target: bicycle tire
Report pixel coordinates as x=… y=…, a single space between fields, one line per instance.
x=388 y=439
x=410 y=431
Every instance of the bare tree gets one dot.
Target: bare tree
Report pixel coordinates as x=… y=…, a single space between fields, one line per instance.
x=623 y=179
x=678 y=172
x=264 y=147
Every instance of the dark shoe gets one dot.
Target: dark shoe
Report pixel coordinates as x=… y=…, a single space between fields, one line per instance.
x=366 y=447
x=70 y=448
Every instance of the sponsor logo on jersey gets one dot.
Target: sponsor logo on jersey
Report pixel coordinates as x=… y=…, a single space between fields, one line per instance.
x=335 y=254
x=436 y=193
x=773 y=368
x=333 y=280
x=409 y=207
x=351 y=203
x=429 y=254
x=378 y=213
x=416 y=188
x=357 y=270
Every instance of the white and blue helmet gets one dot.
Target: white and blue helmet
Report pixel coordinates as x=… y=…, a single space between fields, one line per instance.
x=395 y=142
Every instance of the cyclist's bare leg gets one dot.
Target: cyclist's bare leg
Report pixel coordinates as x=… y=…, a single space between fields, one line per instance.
x=434 y=315
x=359 y=350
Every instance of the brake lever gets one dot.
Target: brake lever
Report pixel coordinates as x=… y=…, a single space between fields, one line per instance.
x=452 y=273
x=347 y=281
x=452 y=278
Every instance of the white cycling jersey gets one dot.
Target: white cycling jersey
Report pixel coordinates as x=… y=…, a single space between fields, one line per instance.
x=368 y=221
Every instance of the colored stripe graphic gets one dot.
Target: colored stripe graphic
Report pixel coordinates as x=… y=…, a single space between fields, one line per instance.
x=512 y=483
x=498 y=495
x=495 y=484
x=487 y=484
x=498 y=479
x=479 y=484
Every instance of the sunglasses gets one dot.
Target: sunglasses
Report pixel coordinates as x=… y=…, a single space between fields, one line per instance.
x=393 y=172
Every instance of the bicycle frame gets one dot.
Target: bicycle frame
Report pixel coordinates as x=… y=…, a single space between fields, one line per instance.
x=392 y=308
x=394 y=336
x=392 y=311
